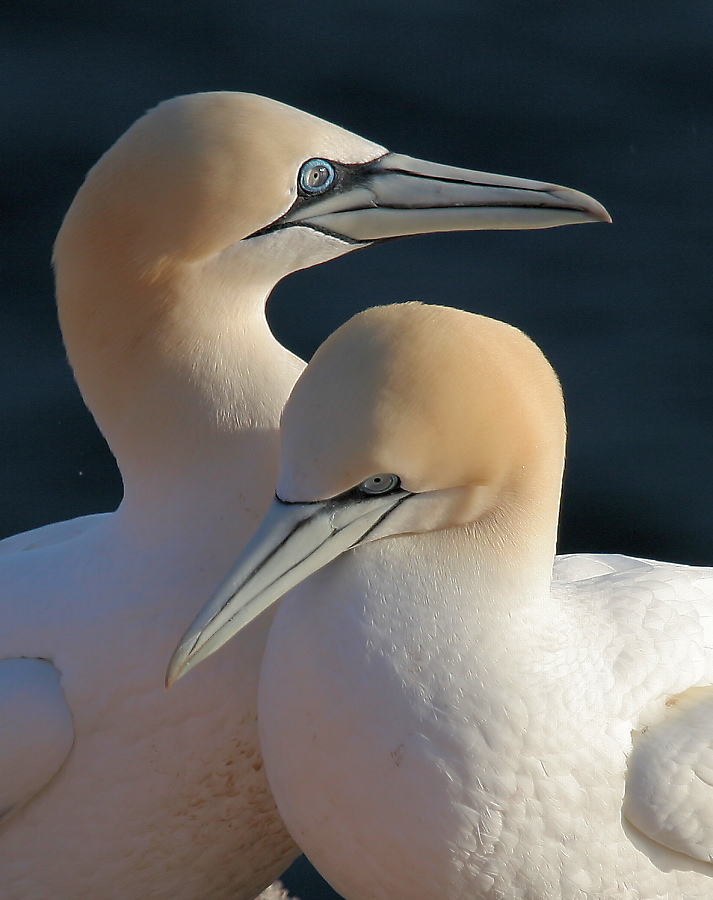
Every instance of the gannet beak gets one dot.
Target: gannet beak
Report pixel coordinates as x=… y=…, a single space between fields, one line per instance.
x=292 y=542
x=396 y=195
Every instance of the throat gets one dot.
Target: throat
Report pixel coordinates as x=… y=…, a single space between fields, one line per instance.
x=205 y=436
x=469 y=578
x=187 y=384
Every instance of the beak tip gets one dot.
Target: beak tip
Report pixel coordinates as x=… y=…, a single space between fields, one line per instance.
x=172 y=676
x=599 y=213
x=177 y=667
x=576 y=200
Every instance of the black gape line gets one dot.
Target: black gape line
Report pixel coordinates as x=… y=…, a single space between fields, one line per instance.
x=279 y=225
x=406 y=495
x=353 y=495
x=349 y=498
x=352 y=175
x=346 y=177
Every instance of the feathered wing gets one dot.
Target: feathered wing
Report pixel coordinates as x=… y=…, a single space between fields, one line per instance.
x=663 y=615
x=36 y=730
x=669 y=783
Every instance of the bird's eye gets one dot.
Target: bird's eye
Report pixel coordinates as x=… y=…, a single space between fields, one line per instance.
x=380 y=484
x=316 y=176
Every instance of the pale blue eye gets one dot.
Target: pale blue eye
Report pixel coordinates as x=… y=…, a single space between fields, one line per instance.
x=316 y=176
x=380 y=484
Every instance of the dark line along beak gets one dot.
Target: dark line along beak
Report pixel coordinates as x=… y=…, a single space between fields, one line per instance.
x=292 y=542
x=396 y=196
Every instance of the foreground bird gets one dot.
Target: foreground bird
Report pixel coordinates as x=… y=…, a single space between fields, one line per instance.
x=110 y=788
x=464 y=721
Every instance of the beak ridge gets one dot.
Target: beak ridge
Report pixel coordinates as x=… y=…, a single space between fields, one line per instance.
x=399 y=196
x=293 y=541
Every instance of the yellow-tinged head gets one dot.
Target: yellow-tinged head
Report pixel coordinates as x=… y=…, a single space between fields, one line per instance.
x=440 y=397
x=199 y=173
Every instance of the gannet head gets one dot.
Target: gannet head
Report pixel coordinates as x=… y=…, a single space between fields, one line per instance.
x=440 y=397
x=409 y=419
x=201 y=173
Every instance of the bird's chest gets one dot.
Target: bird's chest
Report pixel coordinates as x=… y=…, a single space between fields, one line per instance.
x=418 y=737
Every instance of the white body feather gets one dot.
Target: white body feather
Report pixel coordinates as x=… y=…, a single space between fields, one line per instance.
x=451 y=759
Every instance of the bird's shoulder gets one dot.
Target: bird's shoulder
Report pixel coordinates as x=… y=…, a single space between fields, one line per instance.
x=647 y=624
x=627 y=587
x=48 y=535
x=47 y=577
x=583 y=566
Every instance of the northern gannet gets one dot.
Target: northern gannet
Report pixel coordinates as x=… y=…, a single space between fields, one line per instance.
x=466 y=720
x=110 y=788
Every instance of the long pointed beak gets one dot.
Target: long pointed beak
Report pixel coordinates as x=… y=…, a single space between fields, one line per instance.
x=397 y=196
x=292 y=542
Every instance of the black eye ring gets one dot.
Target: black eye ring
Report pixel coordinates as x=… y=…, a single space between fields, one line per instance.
x=316 y=176
x=383 y=483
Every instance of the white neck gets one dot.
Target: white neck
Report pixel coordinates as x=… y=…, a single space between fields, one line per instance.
x=488 y=576
x=187 y=384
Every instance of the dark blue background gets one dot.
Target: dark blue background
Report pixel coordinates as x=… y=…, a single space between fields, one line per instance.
x=612 y=98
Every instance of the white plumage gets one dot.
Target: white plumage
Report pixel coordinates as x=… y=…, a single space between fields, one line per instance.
x=466 y=720
x=108 y=787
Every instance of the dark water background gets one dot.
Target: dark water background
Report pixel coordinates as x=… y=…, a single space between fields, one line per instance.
x=612 y=98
